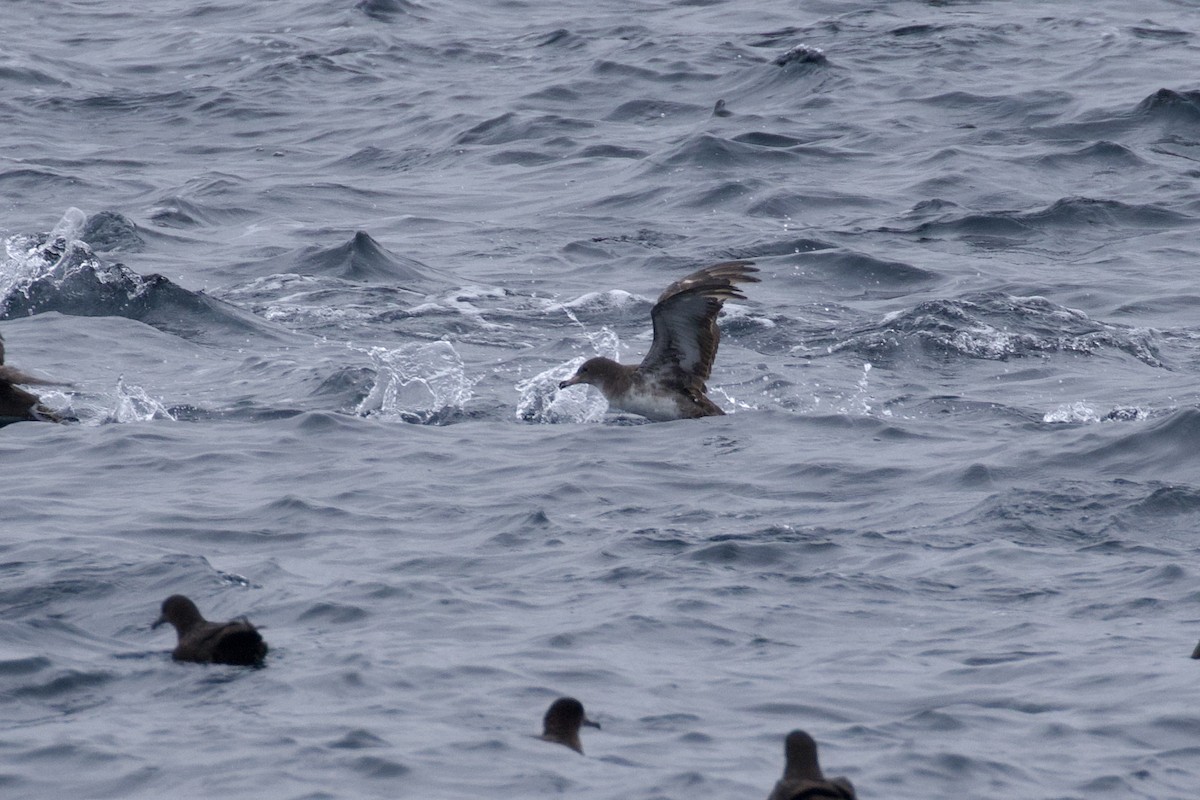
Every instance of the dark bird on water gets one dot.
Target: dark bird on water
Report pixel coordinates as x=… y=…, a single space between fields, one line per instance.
x=18 y=405
x=802 y=777
x=235 y=642
x=562 y=722
x=669 y=383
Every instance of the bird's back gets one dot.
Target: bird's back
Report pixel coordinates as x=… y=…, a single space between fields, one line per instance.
x=805 y=789
x=236 y=642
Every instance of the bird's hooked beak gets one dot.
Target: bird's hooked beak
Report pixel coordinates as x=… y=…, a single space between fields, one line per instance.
x=157 y=622
x=571 y=381
x=590 y=724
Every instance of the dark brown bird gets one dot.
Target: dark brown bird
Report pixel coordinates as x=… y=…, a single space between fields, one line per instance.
x=802 y=778
x=235 y=642
x=18 y=405
x=562 y=722
x=669 y=383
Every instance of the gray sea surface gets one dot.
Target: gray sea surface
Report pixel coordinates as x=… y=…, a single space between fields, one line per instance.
x=314 y=269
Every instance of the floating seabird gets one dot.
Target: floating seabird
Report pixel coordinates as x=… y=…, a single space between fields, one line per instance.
x=562 y=722
x=669 y=383
x=18 y=405
x=234 y=642
x=802 y=778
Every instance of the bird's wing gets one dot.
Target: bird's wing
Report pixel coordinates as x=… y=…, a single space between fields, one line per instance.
x=234 y=642
x=685 y=319
x=239 y=644
x=13 y=375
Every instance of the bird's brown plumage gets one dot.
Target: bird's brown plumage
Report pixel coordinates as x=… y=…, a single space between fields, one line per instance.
x=802 y=777
x=235 y=642
x=670 y=381
x=17 y=404
x=562 y=722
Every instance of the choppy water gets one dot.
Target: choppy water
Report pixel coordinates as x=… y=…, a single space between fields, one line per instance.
x=313 y=270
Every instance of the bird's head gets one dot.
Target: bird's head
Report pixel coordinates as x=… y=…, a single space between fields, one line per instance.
x=596 y=371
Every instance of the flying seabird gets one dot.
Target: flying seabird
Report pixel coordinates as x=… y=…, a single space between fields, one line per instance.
x=18 y=405
x=235 y=642
x=802 y=778
x=562 y=722
x=669 y=383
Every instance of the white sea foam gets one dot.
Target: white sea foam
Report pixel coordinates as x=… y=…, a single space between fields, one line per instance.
x=1075 y=412
x=597 y=301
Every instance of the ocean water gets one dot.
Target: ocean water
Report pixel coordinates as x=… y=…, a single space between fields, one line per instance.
x=313 y=271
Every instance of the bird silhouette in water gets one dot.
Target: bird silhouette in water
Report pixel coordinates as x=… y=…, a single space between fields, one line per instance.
x=17 y=404
x=670 y=382
x=802 y=778
x=235 y=642
x=562 y=722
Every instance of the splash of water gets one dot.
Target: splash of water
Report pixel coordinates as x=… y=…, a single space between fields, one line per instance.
x=1081 y=412
x=70 y=227
x=605 y=342
x=1076 y=412
x=61 y=403
x=60 y=253
x=135 y=404
x=542 y=401
x=417 y=382
x=860 y=401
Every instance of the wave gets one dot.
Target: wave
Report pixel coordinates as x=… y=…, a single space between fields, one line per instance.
x=180 y=212
x=514 y=127
x=998 y=326
x=111 y=232
x=28 y=180
x=1105 y=219
x=877 y=276
x=650 y=110
x=1170 y=106
x=1164 y=113
x=1097 y=155
x=1170 y=446
x=60 y=272
x=359 y=259
x=800 y=54
x=385 y=10
x=1019 y=108
x=715 y=152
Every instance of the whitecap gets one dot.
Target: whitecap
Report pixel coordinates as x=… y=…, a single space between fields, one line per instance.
x=1077 y=412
